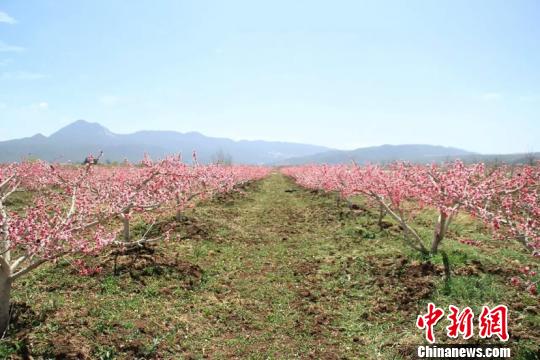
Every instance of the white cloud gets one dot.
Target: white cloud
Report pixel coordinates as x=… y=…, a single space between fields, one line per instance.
x=5 y=18
x=21 y=75
x=491 y=96
x=10 y=48
x=109 y=100
x=43 y=105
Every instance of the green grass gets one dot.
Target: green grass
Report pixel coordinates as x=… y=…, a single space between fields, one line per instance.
x=267 y=274
x=19 y=200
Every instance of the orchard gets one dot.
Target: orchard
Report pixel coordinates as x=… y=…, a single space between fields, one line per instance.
x=78 y=212
x=505 y=198
x=85 y=209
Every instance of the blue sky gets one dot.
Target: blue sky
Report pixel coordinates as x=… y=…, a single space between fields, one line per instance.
x=345 y=74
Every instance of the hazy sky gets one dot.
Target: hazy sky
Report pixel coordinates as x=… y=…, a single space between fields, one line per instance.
x=344 y=74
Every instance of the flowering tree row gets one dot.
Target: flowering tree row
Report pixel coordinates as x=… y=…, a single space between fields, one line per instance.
x=83 y=209
x=505 y=198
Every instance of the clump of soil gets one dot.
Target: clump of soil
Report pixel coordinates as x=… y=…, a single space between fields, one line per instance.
x=69 y=347
x=403 y=283
x=190 y=227
x=147 y=261
x=475 y=267
x=23 y=319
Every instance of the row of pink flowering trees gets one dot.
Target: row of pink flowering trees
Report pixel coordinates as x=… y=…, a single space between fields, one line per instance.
x=505 y=198
x=83 y=209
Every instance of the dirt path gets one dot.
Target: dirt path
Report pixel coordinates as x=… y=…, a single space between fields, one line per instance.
x=271 y=243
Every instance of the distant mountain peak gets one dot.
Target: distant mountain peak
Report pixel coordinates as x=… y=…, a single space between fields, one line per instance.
x=83 y=125
x=82 y=122
x=38 y=136
x=83 y=131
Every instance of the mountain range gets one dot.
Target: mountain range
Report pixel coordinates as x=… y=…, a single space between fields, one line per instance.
x=384 y=154
x=81 y=138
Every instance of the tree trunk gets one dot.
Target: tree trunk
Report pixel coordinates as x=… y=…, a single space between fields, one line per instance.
x=407 y=230
x=446 y=262
x=382 y=213
x=5 y=296
x=127 y=235
x=178 y=215
x=440 y=230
